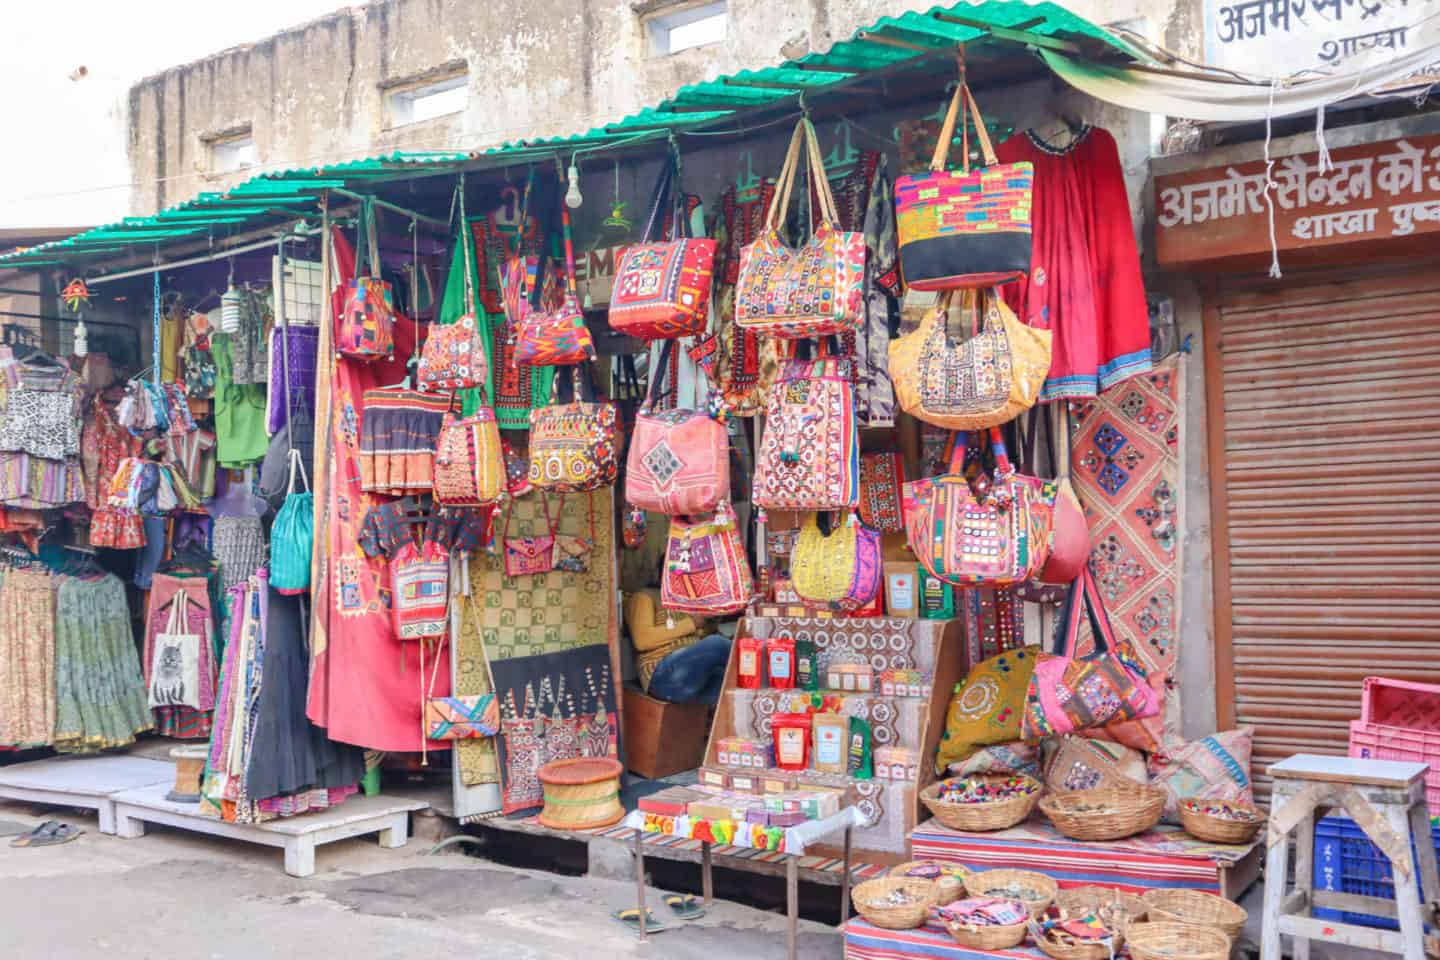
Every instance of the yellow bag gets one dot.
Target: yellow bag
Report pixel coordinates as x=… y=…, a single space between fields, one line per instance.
x=840 y=570
x=984 y=381
x=987 y=706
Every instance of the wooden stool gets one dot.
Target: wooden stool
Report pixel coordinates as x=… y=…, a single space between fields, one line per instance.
x=1386 y=799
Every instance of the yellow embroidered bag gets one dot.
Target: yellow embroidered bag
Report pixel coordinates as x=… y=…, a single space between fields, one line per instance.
x=838 y=569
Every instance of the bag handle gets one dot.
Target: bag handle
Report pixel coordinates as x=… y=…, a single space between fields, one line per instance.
x=296 y=463
x=653 y=392
x=947 y=132
x=680 y=230
x=1083 y=591
x=663 y=186
x=545 y=509
x=467 y=240
x=178 y=621
x=804 y=138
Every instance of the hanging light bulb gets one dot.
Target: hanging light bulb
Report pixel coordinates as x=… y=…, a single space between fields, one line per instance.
x=572 y=195
x=82 y=339
x=230 y=310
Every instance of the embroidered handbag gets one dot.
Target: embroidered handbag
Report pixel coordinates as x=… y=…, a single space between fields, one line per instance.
x=969 y=228
x=810 y=452
x=1069 y=693
x=572 y=445
x=529 y=556
x=662 y=288
x=469 y=461
x=292 y=535
x=881 y=475
x=462 y=718
x=999 y=539
x=420 y=590
x=175 y=661
x=367 y=321
x=679 y=460
x=810 y=291
x=984 y=381
x=1070 y=531
x=556 y=337
x=839 y=569
x=706 y=571
x=455 y=355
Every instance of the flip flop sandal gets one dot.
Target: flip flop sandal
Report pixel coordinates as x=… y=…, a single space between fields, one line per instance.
x=33 y=837
x=631 y=919
x=63 y=833
x=686 y=907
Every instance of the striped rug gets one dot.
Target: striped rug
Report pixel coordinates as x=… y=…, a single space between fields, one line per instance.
x=858 y=871
x=864 y=941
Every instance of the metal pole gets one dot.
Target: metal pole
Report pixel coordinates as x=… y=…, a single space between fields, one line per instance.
x=391 y=207
x=206 y=258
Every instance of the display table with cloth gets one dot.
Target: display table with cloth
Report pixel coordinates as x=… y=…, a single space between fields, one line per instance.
x=795 y=840
x=865 y=941
x=1163 y=857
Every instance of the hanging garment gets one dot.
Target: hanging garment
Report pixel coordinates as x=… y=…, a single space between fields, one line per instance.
x=39 y=484
x=194 y=454
x=747 y=363
x=27 y=658
x=399 y=431
x=239 y=548
x=223 y=789
x=298 y=366
x=240 y=437
x=248 y=355
x=104 y=443
x=99 y=689
x=1084 y=283
x=42 y=409
x=420 y=590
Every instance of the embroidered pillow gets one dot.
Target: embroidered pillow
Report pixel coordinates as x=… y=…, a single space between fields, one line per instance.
x=1212 y=768
x=987 y=706
x=1081 y=763
x=1016 y=757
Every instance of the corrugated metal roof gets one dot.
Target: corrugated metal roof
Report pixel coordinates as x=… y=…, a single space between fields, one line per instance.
x=907 y=41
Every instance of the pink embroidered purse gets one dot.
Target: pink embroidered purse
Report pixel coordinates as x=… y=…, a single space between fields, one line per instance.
x=679 y=460
x=365 y=327
x=706 y=570
x=810 y=452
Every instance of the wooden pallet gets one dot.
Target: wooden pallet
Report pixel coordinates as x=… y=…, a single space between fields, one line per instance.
x=86 y=782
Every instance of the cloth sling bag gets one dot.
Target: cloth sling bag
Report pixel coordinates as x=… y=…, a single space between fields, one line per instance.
x=573 y=445
x=1067 y=693
x=454 y=356
x=810 y=451
x=662 y=287
x=469 y=459
x=706 y=571
x=458 y=717
x=529 y=556
x=292 y=535
x=813 y=290
x=679 y=460
x=969 y=228
x=556 y=337
x=838 y=568
x=175 y=660
x=1070 y=531
x=367 y=321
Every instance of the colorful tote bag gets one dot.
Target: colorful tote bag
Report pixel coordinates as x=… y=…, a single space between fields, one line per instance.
x=999 y=539
x=292 y=535
x=984 y=381
x=679 y=460
x=366 y=329
x=529 y=556
x=810 y=453
x=881 y=475
x=453 y=357
x=706 y=571
x=573 y=445
x=811 y=291
x=662 y=288
x=838 y=569
x=420 y=590
x=469 y=461
x=556 y=337
x=969 y=228
x=462 y=718
x=1068 y=693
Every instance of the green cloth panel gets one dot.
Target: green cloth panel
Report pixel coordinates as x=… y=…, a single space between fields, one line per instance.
x=240 y=437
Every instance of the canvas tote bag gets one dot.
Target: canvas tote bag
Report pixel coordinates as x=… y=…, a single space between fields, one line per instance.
x=175 y=663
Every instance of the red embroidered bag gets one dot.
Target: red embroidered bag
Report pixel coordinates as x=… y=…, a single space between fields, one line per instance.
x=810 y=453
x=455 y=355
x=556 y=337
x=679 y=460
x=529 y=556
x=706 y=571
x=366 y=328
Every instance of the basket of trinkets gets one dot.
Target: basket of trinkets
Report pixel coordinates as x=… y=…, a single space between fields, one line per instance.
x=895 y=903
x=980 y=803
x=1105 y=813
x=949 y=877
x=1197 y=909
x=1079 y=935
x=1220 y=821
x=1115 y=908
x=1176 y=941
x=1035 y=890
x=985 y=923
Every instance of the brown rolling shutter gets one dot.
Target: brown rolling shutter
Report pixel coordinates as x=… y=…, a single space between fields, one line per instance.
x=1324 y=419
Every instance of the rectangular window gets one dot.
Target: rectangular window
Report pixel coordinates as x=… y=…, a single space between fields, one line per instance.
x=691 y=27
x=232 y=154
x=428 y=101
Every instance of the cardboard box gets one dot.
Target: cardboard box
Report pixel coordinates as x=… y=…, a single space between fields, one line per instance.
x=671 y=802
x=902 y=588
x=711 y=777
x=662 y=738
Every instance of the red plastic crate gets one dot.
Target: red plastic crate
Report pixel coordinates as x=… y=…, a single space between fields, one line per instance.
x=1400 y=703
x=1378 y=741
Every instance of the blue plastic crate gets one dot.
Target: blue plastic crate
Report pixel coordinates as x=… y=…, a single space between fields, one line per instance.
x=1347 y=862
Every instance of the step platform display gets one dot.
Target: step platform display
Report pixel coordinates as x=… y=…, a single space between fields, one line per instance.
x=865 y=941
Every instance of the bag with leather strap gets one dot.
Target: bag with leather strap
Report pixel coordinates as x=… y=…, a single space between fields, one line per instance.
x=455 y=355
x=810 y=451
x=532 y=555
x=1068 y=693
x=1070 y=531
x=366 y=328
x=469 y=466
x=985 y=380
x=837 y=567
x=679 y=460
x=292 y=535
x=706 y=571
x=662 y=287
x=556 y=337
x=573 y=445
x=997 y=539
x=812 y=290
x=965 y=228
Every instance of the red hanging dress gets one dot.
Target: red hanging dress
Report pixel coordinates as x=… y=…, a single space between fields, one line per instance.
x=1084 y=282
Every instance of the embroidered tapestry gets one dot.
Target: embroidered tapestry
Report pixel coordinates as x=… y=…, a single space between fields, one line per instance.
x=1127 y=458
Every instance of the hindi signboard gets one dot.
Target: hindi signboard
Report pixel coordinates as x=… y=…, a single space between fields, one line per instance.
x=1370 y=192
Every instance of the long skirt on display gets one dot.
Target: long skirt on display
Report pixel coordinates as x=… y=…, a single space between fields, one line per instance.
x=99 y=688
x=27 y=658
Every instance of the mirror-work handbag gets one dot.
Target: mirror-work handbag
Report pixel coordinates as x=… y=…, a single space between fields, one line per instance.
x=984 y=381
x=455 y=355
x=809 y=291
x=573 y=445
x=999 y=540
x=969 y=228
x=706 y=570
x=679 y=460
x=469 y=460
x=662 y=288
x=839 y=569
x=810 y=452
x=557 y=337
x=462 y=718
x=529 y=556
x=367 y=322
x=1068 y=693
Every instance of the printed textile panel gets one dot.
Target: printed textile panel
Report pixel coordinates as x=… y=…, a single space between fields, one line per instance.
x=555 y=706
x=662 y=290
x=886 y=643
x=994 y=621
x=1127 y=461
x=987 y=200
x=880 y=477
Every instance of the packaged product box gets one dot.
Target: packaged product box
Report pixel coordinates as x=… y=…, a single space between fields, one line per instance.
x=902 y=588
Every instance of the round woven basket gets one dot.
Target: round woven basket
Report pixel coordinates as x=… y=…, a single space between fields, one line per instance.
x=1115 y=908
x=1105 y=813
x=979 y=817
x=581 y=793
x=1035 y=890
x=869 y=898
x=1196 y=908
x=1094 y=950
x=1176 y=941
x=1215 y=829
x=949 y=885
x=987 y=938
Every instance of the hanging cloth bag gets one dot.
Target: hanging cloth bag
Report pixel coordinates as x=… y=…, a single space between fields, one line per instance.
x=813 y=290
x=810 y=451
x=366 y=330
x=454 y=356
x=706 y=571
x=175 y=661
x=558 y=336
x=529 y=556
x=966 y=228
x=838 y=569
x=469 y=458
x=573 y=447
x=679 y=460
x=662 y=288
x=1070 y=531
x=292 y=535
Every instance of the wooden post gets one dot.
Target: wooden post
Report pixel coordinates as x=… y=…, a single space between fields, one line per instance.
x=640 y=884
x=1304 y=877
x=792 y=905
x=845 y=883
x=707 y=884
x=1276 y=865
x=1407 y=899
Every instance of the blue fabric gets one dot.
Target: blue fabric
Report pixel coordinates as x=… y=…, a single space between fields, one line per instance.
x=152 y=553
x=694 y=674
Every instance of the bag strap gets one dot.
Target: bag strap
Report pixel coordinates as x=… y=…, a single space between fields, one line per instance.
x=679 y=209
x=1003 y=466
x=947 y=132
x=663 y=186
x=370 y=238
x=362 y=253
x=569 y=250
x=1083 y=592
x=296 y=463
x=653 y=393
x=467 y=241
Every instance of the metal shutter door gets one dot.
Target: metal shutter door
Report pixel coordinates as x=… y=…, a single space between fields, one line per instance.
x=1324 y=408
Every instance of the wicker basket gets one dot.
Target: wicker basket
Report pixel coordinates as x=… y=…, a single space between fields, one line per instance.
x=1105 y=813
x=581 y=793
x=987 y=938
x=1093 y=950
x=1196 y=908
x=1008 y=883
x=949 y=886
x=868 y=898
x=979 y=817
x=1115 y=908
x=1215 y=829
x=1176 y=941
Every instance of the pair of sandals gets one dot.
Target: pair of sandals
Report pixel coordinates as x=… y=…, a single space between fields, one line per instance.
x=682 y=907
x=48 y=834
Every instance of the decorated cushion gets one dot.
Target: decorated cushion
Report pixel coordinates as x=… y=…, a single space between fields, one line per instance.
x=1016 y=757
x=1081 y=763
x=1213 y=768
x=986 y=707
